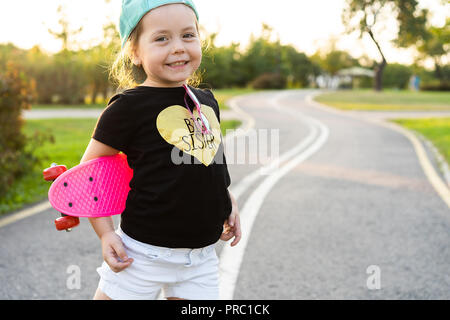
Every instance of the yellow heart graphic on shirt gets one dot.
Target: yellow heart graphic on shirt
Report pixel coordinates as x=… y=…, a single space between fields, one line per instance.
x=177 y=127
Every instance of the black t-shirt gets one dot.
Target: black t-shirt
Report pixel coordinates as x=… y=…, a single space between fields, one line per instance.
x=178 y=196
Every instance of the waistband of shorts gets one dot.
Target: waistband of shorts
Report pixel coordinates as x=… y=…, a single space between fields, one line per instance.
x=163 y=251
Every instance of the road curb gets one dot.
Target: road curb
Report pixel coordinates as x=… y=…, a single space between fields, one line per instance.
x=433 y=177
x=441 y=163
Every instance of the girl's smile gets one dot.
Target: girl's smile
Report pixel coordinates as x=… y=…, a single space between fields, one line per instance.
x=178 y=65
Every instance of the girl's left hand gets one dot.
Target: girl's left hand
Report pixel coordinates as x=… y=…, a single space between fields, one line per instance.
x=232 y=228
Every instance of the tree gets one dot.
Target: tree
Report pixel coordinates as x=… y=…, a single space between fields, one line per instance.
x=262 y=55
x=270 y=59
x=220 y=66
x=67 y=65
x=334 y=60
x=370 y=14
x=65 y=34
x=39 y=66
x=96 y=61
x=297 y=67
x=397 y=76
x=436 y=46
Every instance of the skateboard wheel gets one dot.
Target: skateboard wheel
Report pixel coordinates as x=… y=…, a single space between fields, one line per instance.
x=66 y=222
x=50 y=174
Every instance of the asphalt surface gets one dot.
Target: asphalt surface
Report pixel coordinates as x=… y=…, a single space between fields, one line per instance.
x=361 y=200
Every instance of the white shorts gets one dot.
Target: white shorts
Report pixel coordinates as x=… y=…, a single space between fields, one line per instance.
x=183 y=273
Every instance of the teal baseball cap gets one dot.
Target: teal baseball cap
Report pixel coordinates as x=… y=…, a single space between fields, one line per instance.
x=133 y=11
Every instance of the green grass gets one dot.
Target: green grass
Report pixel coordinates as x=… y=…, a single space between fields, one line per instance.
x=221 y=95
x=71 y=139
x=68 y=106
x=387 y=100
x=437 y=130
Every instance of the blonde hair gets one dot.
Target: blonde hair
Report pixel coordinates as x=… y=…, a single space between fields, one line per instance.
x=125 y=74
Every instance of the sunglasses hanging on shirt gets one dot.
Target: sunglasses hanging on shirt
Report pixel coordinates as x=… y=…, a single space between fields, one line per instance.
x=206 y=129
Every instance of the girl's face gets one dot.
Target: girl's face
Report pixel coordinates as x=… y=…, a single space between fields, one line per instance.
x=169 y=47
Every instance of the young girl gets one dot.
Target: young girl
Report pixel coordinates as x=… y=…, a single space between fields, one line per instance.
x=179 y=205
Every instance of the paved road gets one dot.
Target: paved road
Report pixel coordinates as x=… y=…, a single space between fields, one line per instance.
x=360 y=199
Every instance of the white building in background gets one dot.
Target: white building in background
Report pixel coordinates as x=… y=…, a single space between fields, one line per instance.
x=325 y=81
x=343 y=77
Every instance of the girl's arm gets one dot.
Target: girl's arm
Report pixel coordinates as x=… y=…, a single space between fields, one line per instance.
x=112 y=246
x=94 y=150
x=232 y=226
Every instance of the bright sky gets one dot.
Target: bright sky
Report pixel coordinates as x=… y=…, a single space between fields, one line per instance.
x=306 y=24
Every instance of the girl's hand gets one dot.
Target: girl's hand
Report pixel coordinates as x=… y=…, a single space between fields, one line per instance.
x=114 y=252
x=232 y=228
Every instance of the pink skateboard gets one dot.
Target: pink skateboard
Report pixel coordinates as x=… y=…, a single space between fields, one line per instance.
x=95 y=188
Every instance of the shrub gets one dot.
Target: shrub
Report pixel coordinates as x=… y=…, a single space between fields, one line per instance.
x=396 y=76
x=436 y=86
x=16 y=157
x=269 y=81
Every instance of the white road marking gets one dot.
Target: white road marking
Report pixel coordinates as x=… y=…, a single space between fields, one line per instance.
x=231 y=257
x=248 y=180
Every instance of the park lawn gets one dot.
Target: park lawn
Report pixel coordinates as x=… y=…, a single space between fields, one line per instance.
x=387 y=100
x=436 y=130
x=222 y=95
x=71 y=139
x=68 y=106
